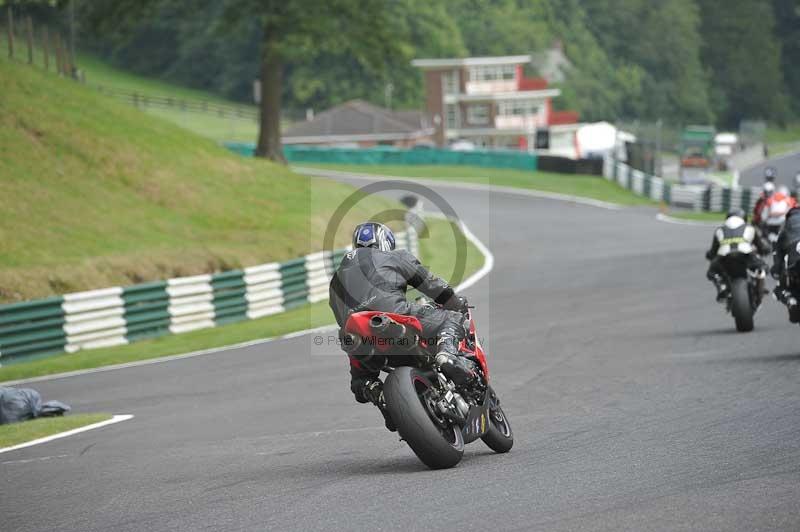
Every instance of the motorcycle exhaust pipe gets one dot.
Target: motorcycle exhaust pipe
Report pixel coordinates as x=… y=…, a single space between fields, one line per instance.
x=350 y=342
x=385 y=327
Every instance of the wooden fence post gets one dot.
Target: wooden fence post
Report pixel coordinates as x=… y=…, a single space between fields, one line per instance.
x=67 y=61
x=10 y=33
x=29 y=38
x=46 y=48
x=59 y=58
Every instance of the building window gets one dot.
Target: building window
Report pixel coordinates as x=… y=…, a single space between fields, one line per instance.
x=493 y=73
x=451 y=120
x=450 y=82
x=478 y=114
x=517 y=108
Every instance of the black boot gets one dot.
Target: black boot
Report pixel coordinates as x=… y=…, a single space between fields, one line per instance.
x=721 y=286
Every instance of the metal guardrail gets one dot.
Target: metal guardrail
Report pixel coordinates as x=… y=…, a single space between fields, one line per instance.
x=121 y=315
x=711 y=198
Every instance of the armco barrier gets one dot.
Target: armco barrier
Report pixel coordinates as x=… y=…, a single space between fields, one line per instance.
x=712 y=198
x=488 y=158
x=120 y=315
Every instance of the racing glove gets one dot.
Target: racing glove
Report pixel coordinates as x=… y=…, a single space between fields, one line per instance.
x=457 y=303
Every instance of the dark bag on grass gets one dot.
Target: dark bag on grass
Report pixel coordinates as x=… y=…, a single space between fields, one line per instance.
x=19 y=404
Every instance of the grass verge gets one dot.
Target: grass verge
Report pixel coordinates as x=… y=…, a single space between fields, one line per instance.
x=698 y=216
x=438 y=251
x=205 y=124
x=98 y=73
x=783 y=140
x=98 y=194
x=587 y=186
x=25 y=431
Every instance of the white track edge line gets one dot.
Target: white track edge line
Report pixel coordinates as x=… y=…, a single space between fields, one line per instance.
x=488 y=265
x=661 y=217
x=115 y=419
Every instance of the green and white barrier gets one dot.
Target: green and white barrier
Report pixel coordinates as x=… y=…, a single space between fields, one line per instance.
x=519 y=160
x=712 y=198
x=120 y=315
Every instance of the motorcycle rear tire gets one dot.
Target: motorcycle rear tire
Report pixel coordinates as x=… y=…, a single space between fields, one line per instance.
x=402 y=391
x=741 y=308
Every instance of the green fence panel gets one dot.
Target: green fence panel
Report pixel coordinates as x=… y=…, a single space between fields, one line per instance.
x=394 y=156
x=31 y=310
x=746 y=198
x=31 y=328
x=293 y=283
x=726 y=199
x=706 y=204
x=146 y=310
x=229 y=291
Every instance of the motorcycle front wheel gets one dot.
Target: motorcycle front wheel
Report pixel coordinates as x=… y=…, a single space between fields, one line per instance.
x=410 y=402
x=741 y=308
x=499 y=436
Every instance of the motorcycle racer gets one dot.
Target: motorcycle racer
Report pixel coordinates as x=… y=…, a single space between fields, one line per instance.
x=796 y=189
x=787 y=244
x=376 y=276
x=767 y=191
x=735 y=235
x=773 y=211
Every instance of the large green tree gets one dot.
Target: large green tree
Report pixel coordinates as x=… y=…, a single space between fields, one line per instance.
x=661 y=40
x=327 y=76
x=291 y=30
x=595 y=86
x=365 y=30
x=680 y=60
x=787 y=17
x=743 y=56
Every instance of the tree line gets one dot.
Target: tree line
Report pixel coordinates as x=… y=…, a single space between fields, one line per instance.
x=682 y=61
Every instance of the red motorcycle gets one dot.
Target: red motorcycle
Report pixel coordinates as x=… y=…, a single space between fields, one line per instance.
x=433 y=415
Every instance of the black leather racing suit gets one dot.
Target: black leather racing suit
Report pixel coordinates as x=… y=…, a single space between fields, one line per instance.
x=733 y=237
x=787 y=245
x=370 y=279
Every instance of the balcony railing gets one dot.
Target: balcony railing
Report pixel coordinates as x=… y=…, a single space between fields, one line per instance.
x=518 y=121
x=490 y=87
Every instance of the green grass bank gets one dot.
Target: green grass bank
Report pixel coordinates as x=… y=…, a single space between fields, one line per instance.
x=97 y=194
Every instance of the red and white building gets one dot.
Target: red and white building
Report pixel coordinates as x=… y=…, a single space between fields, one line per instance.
x=488 y=100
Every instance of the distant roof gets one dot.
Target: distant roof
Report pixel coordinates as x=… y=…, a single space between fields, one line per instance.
x=359 y=120
x=471 y=61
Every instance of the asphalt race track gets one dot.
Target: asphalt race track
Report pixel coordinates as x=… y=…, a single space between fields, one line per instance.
x=635 y=406
x=787 y=166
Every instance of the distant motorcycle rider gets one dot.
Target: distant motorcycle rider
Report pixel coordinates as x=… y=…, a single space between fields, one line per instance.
x=787 y=249
x=734 y=236
x=375 y=276
x=767 y=191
